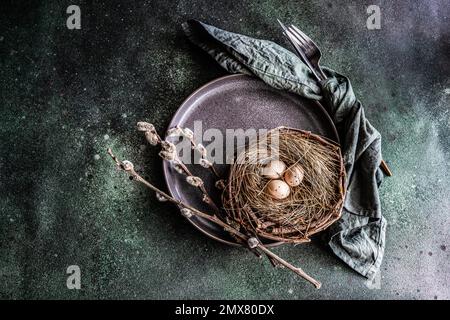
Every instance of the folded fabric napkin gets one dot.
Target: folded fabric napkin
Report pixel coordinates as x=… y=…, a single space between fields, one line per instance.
x=358 y=238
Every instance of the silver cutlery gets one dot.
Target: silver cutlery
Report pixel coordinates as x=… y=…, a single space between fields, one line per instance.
x=310 y=54
x=299 y=49
x=311 y=50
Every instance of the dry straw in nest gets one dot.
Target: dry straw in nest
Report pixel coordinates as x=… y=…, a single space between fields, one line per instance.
x=310 y=207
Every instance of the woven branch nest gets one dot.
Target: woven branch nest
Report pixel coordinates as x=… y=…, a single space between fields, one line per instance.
x=310 y=207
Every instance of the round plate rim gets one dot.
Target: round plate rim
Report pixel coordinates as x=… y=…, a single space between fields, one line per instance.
x=176 y=119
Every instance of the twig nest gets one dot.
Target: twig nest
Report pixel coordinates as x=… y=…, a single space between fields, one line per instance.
x=291 y=198
x=278 y=189
x=294 y=176
x=274 y=169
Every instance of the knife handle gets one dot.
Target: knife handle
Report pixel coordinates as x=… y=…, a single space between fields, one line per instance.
x=385 y=168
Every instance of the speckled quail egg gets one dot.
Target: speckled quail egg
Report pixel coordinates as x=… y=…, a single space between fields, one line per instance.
x=294 y=175
x=273 y=170
x=278 y=189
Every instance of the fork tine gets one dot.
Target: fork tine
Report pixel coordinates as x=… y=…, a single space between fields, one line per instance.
x=294 y=41
x=302 y=37
x=282 y=25
x=310 y=42
x=301 y=33
x=310 y=46
x=300 y=51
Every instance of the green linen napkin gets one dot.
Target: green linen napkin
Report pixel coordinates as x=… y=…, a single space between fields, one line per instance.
x=358 y=238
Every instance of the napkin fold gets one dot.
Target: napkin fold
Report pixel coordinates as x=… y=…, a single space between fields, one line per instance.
x=358 y=238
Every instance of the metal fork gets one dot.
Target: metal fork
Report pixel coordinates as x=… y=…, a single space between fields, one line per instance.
x=310 y=54
x=306 y=48
x=311 y=50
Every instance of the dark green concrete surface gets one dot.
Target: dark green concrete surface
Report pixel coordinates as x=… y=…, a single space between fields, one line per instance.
x=67 y=95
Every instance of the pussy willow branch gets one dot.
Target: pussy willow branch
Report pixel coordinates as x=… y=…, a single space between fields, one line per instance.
x=201 y=187
x=154 y=138
x=211 y=167
x=188 y=134
x=253 y=243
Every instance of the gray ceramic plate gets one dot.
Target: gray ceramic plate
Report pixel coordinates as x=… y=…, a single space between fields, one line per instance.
x=238 y=102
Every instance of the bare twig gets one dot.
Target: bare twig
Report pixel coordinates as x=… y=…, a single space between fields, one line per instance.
x=296 y=270
x=252 y=242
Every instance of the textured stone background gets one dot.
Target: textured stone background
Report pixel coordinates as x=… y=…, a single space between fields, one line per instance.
x=68 y=95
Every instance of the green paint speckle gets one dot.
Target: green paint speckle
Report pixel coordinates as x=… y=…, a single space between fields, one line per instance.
x=67 y=96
